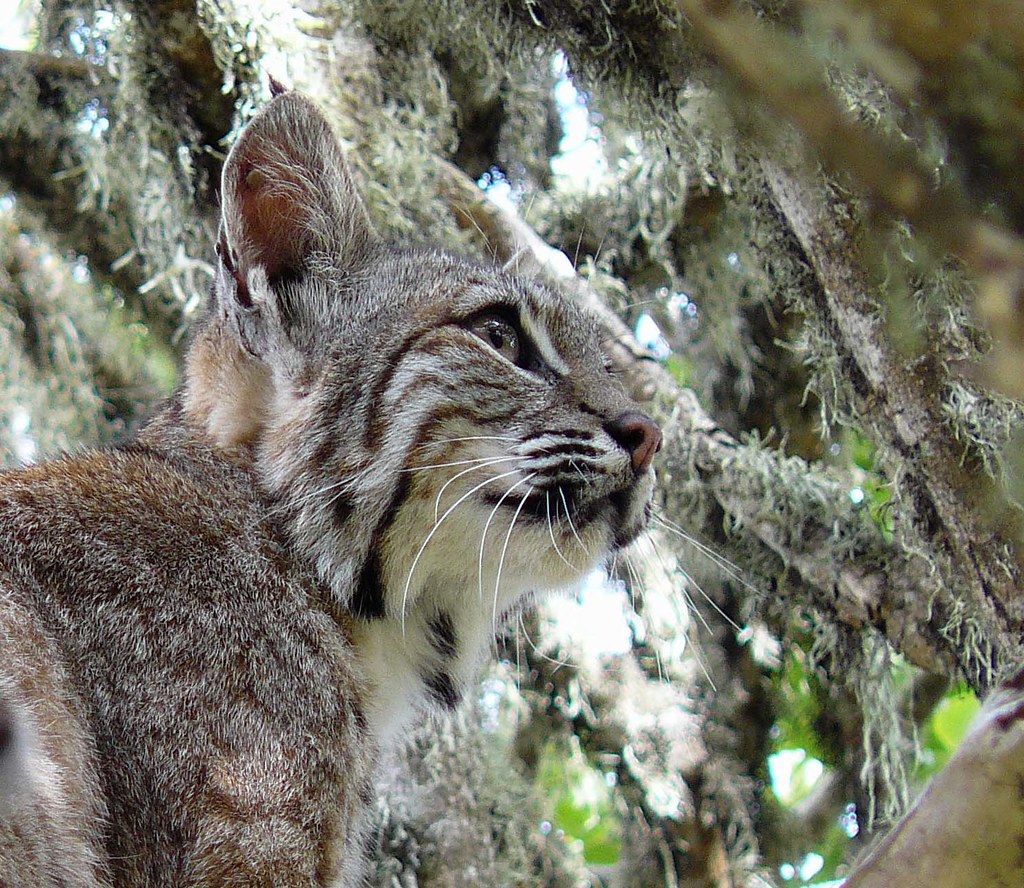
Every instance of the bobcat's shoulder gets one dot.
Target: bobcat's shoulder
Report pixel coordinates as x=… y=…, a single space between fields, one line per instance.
x=184 y=704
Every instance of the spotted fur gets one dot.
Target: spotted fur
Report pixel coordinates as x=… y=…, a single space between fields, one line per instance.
x=376 y=455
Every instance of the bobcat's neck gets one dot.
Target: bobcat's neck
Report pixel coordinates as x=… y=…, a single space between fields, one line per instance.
x=426 y=662
x=226 y=390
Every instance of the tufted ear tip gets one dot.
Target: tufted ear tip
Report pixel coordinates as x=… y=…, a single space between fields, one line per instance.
x=277 y=88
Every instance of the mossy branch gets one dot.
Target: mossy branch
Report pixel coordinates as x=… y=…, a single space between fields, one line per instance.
x=960 y=521
x=135 y=183
x=178 y=35
x=41 y=162
x=49 y=70
x=780 y=72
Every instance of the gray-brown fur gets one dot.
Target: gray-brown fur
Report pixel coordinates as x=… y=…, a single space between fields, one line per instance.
x=376 y=455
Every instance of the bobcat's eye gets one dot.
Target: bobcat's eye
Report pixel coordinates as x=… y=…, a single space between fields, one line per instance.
x=499 y=333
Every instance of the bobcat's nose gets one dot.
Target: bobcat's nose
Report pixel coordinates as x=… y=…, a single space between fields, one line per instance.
x=639 y=435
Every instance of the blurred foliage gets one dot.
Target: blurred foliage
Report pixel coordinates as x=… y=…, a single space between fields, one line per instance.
x=582 y=804
x=800 y=761
x=944 y=730
x=798 y=694
x=79 y=363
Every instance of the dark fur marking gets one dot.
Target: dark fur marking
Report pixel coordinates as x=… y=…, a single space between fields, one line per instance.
x=366 y=795
x=442 y=635
x=534 y=499
x=6 y=730
x=134 y=447
x=569 y=449
x=442 y=689
x=394 y=359
x=341 y=507
x=368 y=600
x=397 y=498
x=325 y=449
x=571 y=434
x=359 y=717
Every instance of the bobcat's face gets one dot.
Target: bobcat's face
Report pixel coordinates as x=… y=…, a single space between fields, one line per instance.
x=482 y=448
x=444 y=439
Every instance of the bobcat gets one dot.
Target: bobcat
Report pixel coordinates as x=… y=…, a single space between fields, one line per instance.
x=376 y=454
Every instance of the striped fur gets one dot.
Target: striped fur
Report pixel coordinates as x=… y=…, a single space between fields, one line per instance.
x=376 y=456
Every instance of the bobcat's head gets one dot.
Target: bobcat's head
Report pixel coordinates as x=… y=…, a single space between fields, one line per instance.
x=444 y=438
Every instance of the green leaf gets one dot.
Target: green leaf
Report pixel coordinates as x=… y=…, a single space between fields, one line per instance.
x=945 y=729
x=582 y=804
x=680 y=369
x=952 y=718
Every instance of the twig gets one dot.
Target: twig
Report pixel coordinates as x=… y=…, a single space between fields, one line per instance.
x=45 y=66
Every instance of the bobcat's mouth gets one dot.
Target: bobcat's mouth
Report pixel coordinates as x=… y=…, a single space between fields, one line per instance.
x=566 y=509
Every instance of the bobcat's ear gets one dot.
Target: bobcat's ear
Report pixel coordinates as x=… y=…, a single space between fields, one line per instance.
x=289 y=207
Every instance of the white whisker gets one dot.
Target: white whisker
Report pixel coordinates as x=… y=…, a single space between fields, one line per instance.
x=551 y=530
x=483 y=536
x=512 y=262
x=579 y=243
x=313 y=494
x=635 y=582
x=529 y=206
x=691 y=605
x=568 y=518
x=692 y=608
x=558 y=664
x=504 y=548
x=707 y=551
x=689 y=578
x=340 y=493
x=457 y=462
x=455 y=477
x=579 y=471
x=434 y=529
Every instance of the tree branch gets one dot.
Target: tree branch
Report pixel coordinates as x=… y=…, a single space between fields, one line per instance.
x=176 y=26
x=780 y=72
x=50 y=70
x=41 y=162
x=966 y=828
x=128 y=195
x=901 y=402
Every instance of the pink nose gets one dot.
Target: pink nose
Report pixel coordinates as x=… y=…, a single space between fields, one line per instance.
x=639 y=435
